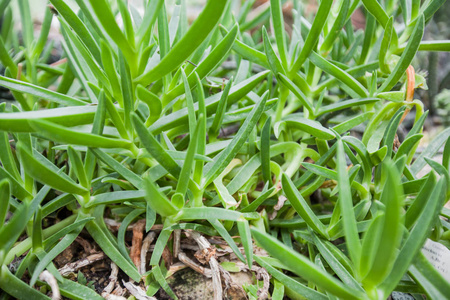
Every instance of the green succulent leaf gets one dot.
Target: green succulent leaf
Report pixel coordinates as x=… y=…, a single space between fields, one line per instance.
x=196 y=34
x=303 y=267
x=49 y=176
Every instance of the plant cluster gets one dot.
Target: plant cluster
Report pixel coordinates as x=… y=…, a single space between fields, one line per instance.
x=229 y=127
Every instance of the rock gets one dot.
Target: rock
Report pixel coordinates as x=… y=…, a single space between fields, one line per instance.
x=190 y=285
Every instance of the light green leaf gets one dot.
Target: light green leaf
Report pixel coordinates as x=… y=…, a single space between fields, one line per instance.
x=303 y=267
x=223 y=158
x=65 y=116
x=46 y=175
x=16 y=287
x=246 y=239
x=62 y=134
x=111 y=251
x=312 y=127
x=340 y=74
x=105 y=16
x=157 y=200
x=406 y=58
x=297 y=92
x=154 y=147
x=346 y=206
x=289 y=282
x=313 y=35
x=392 y=228
x=302 y=208
x=39 y=92
x=212 y=61
x=196 y=34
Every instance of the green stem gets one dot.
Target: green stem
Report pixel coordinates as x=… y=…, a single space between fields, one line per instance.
x=383 y=114
x=284 y=93
x=146 y=160
x=198 y=198
x=25 y=245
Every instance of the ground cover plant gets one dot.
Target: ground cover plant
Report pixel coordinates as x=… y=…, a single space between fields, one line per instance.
x=278 y=146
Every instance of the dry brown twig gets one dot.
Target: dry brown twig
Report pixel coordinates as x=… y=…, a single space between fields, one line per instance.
x=281 y=200
x=85 y=244
x=59 y=62
x=112 y=279
x=263 y=293
x=176 y=242
x=182 y=246
x=108 y=292
x=137 y=292
x=261 y=273
x=119 y=291
x=175 y=268
x=189 y=247
x=75 y=266
x=113 y=297
x=113 y=225
x=167 y=256
x=51 y=281
x=231 y=287
x=208 y=254
x=136 y=243
x=193 y=265
x=148 y=240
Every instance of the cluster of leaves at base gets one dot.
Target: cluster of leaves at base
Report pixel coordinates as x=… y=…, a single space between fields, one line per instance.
x=206 y=126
